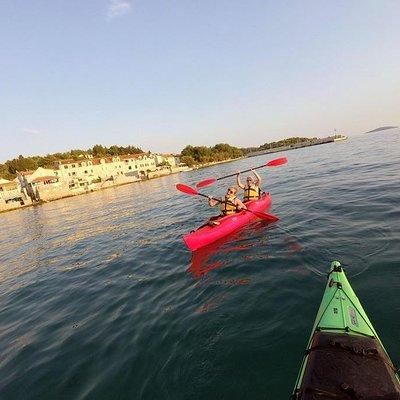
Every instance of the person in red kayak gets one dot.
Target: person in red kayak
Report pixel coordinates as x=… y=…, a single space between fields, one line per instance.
x=229 y=204
x=252 y=188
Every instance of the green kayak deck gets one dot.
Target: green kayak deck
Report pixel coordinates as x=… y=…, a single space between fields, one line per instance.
x=345 y=359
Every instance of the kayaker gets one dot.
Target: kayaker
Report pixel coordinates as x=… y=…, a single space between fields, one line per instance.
x=252 y=188
x=229 y=204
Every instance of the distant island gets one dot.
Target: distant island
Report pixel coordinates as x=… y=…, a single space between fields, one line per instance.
x=382 y=128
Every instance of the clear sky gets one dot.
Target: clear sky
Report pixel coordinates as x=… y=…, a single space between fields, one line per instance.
x=163 y=74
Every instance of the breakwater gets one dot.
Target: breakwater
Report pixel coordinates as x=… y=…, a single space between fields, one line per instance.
x=308 y=143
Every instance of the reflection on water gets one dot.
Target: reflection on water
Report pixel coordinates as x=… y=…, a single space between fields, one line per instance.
x=253 y=240
x=101 y=299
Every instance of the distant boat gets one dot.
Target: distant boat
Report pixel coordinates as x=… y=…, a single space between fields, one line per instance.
x=336 y=138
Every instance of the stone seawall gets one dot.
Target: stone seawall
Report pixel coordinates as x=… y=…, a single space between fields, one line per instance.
x=51 y=192
x=14 y=205
x=292 y=147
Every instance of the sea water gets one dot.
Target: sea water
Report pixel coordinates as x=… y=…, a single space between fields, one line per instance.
x=100 y=299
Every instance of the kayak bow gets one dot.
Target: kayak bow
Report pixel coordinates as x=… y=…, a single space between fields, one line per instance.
x=345 y=359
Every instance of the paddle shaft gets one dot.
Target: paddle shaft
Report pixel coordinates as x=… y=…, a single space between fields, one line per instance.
x=223 y=201
x=190 y=191
x=272 y=163
x=213 y=198
x=246 y=170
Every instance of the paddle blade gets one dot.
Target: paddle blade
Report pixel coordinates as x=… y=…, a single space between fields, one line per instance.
x=265 y=216
x=276 y=162
x=205 y=182
x=186 y=189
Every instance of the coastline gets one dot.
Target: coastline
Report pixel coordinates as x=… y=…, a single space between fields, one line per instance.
x=162 y=173
x=93 y=189
x=200 y=166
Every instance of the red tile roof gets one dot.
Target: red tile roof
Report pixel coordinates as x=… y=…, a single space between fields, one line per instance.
x=133 y=156
x=67 y=161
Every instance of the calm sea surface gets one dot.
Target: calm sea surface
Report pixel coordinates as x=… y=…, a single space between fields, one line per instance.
x=100 y=299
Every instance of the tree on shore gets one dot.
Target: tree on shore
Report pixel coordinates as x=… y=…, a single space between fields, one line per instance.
x=280 y=143
x=285 y=142
x=188 y=160
x=191 y=155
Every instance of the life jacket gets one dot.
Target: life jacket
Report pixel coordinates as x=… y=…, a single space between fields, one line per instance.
x=227 y=206
x=251 y=193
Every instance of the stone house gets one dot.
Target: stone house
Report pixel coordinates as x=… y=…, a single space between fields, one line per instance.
x=12 y=195
x=124 y=169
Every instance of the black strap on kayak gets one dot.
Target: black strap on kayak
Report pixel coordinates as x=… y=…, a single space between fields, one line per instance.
x=338 y=284
x=337 y=268
x=297 y=395
x=359 y=351
x=353 y=349
x=344 y=387
x=327 y=395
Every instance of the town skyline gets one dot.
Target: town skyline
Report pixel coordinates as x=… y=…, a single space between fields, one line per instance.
x=134 y=147
x=67 y=178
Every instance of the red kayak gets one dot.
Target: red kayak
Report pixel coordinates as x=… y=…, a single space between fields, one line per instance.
x=209 y=234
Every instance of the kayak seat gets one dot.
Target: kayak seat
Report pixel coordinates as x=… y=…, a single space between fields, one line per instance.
x=347 y=367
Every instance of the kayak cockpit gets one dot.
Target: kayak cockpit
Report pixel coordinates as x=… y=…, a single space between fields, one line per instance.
x=347 y=367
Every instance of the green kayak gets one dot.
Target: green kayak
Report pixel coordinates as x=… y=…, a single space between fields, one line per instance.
x=345 y=358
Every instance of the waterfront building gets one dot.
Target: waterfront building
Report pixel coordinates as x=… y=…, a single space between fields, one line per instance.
x=130 y=167
x=166 y=159
x=43 y=184
x=141 y=163
x=9 y=191
x=11 y=195
x=72 y=177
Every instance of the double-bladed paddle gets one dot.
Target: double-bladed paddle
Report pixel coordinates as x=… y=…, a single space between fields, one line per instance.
x=272 y=163
x=193 y=192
